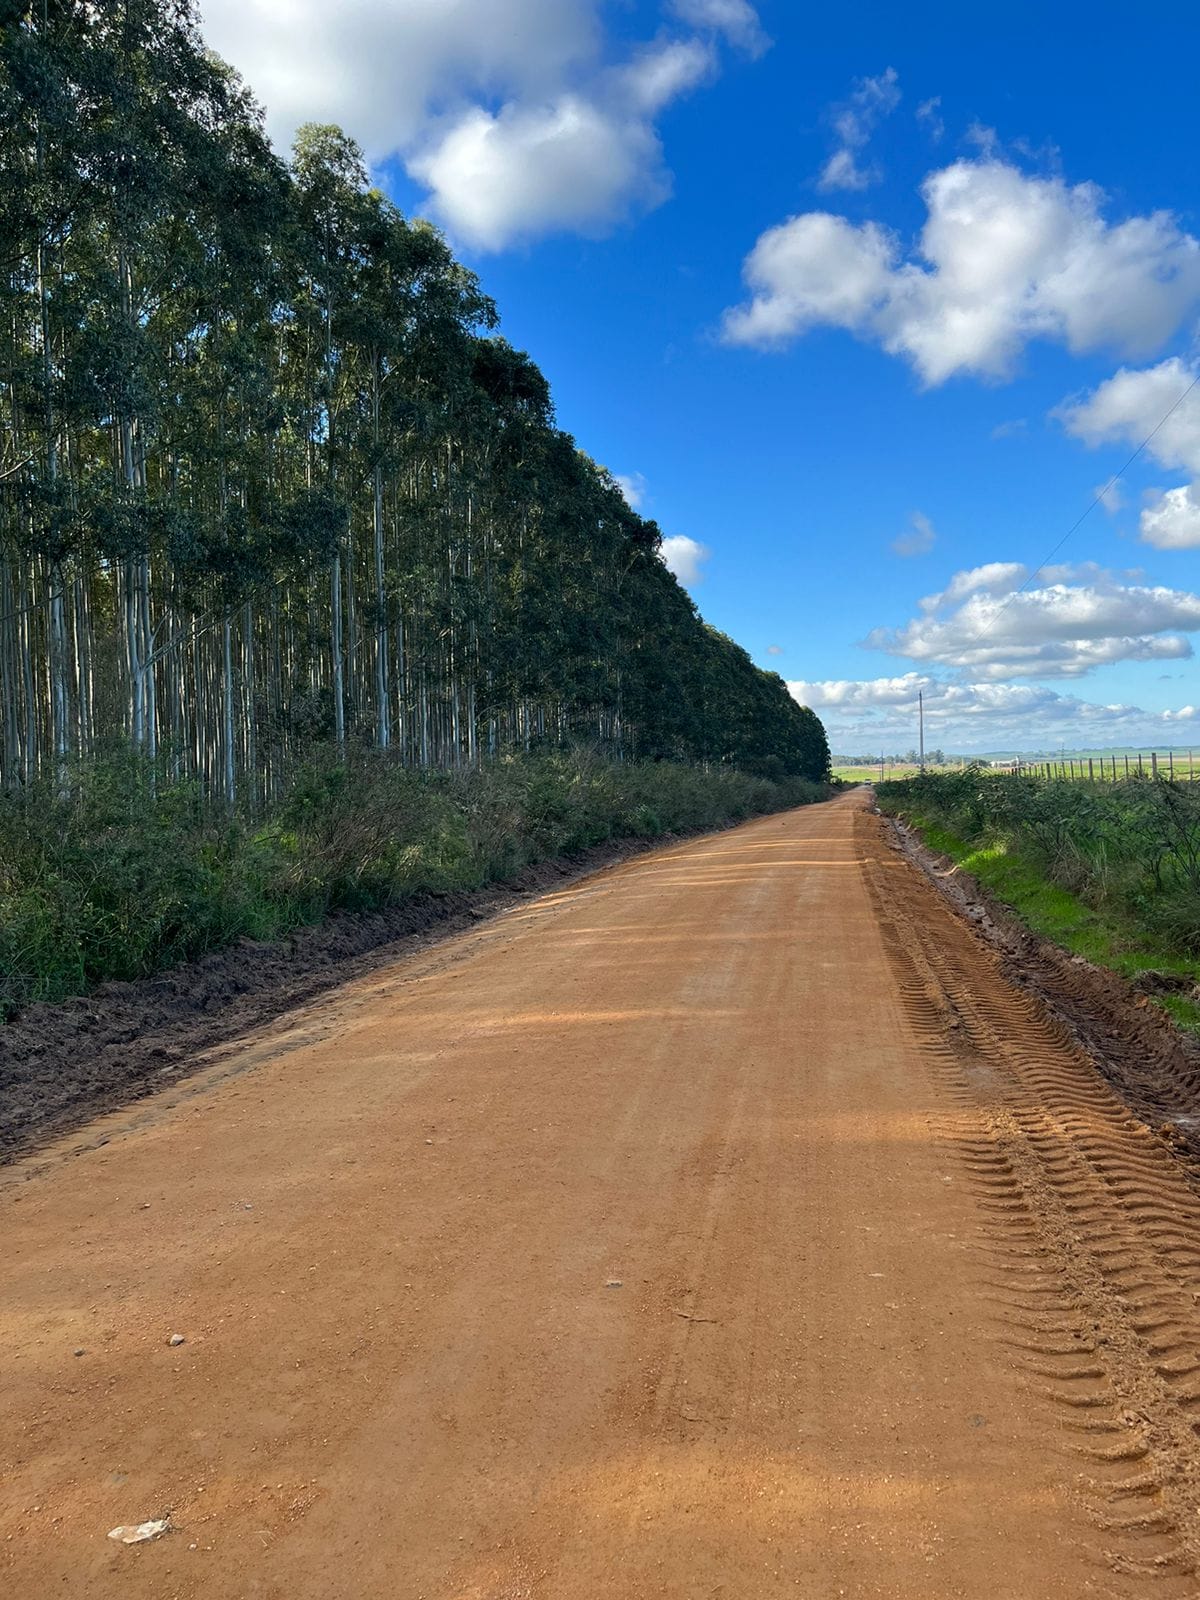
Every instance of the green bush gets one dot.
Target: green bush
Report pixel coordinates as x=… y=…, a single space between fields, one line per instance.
x=1131 y=847
x=124 y=877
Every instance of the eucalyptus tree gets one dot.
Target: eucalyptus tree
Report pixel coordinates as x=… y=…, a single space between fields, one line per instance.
x=409 y=337
x=38 y=203
x=268 y=476
x=329 y=178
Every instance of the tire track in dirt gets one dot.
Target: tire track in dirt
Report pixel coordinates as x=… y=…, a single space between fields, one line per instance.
x=1136 y=1046
x=1088 y=1250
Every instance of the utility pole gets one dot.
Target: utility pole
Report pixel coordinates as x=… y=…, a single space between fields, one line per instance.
x=921 y=714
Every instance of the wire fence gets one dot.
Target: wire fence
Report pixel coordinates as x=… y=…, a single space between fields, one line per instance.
x=1176 y=766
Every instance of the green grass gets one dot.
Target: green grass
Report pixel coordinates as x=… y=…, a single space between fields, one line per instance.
x=1101 y=936
x=870 y=773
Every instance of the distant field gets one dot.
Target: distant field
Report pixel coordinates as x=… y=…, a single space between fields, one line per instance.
x=861 y=774
x=1181 y=765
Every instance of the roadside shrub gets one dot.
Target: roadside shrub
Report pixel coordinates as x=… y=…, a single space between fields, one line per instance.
x=1175 y=917
x=123 y=877
x=1133 y=846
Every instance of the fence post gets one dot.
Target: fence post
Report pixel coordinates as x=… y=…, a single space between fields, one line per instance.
x=1091 y=771
x=1154 y=764
x=1126 y=766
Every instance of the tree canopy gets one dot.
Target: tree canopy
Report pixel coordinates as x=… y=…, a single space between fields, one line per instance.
x=269 y=475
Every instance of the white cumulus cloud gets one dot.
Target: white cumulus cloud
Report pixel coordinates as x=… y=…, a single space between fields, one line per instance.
x=1132 y=403
x=1172 y=520
x=510 y=112
x=871 y=692
x=1159 y=405
x=881 y=714
x=382 y=68
x=816 y=269
x=985 y=626
x=526 y=170
x=660 y=73
x=685 y=558
x=1003 y=258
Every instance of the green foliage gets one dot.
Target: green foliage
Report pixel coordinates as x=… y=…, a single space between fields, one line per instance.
x=266 y=472
x=1111 y=871
x=126 y=877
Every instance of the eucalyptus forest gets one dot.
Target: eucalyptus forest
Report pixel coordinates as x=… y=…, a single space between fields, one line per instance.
x=270 y=478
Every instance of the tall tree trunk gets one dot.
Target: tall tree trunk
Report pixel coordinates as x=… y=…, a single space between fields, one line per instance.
x=382 y=689
x=337 y=655
x=229 y=788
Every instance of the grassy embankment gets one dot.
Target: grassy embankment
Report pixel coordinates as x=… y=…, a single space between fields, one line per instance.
x=119 y=881
x=1108 y=871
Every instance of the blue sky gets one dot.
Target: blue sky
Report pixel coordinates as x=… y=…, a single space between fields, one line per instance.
x=866 y=306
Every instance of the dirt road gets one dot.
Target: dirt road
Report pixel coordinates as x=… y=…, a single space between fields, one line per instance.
x=723 y=1226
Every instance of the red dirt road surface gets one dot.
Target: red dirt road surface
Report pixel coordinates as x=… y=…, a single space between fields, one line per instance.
x=722 y=1226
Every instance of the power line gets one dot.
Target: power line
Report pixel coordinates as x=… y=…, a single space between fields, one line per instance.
x=1083 y=516
x=1079 y=521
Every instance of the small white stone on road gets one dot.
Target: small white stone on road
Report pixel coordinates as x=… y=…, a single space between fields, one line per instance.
x=139 y=1532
